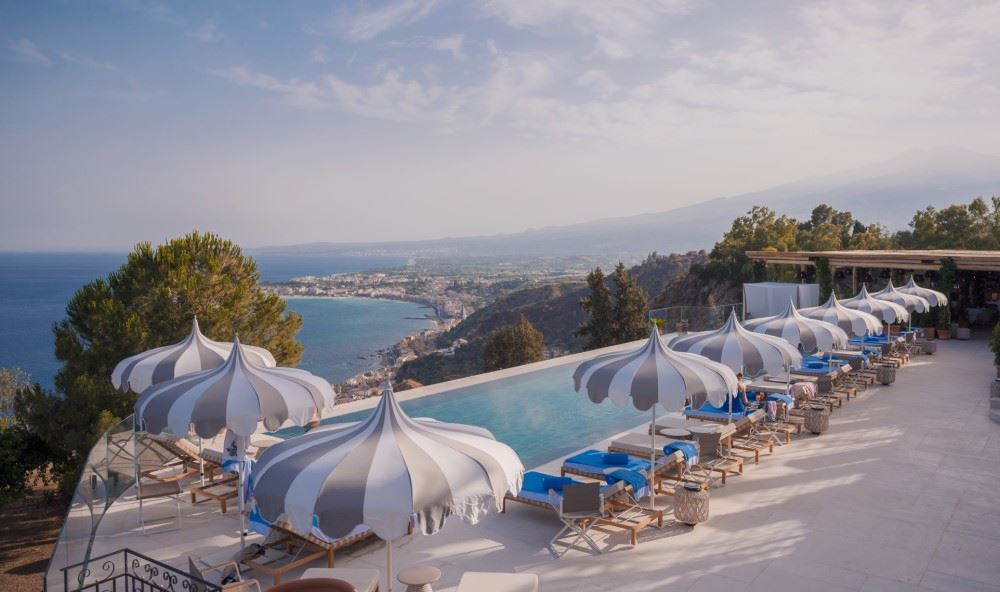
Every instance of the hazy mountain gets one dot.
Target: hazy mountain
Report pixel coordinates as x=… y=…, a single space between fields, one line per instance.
x=888 y=192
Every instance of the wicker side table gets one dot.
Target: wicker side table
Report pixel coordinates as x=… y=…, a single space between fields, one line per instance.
x=886 y=375
x=995 y=388
x=817 y=419
x=930 y=347
x=691 y=503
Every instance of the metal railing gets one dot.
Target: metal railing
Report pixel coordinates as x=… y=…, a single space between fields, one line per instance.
x=109 y=473
x=682 y=319
x=128 y=571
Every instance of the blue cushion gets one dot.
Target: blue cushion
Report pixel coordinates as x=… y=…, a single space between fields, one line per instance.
x=556 y=483
x=616 y=458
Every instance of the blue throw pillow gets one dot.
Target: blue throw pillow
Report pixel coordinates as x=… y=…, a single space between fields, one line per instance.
x=556 y=483
x=616 y=458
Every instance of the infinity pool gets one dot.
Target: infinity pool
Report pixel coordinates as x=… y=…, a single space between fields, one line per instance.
x=538 y=414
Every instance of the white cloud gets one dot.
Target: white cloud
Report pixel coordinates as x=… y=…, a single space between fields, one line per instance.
x=207 y=32
x=367 y=24
x=452 y=45
x=317 y=55
x=25 y=50
x=82 y=60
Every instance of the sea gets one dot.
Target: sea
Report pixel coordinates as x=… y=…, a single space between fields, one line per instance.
x=341 y=337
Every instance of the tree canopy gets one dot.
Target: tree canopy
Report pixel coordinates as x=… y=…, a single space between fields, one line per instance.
x=513 y=345
x=147 y=303
x=599 y=329
x=631 y=310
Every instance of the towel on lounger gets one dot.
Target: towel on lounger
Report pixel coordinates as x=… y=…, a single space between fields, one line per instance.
x=636 y=480
x=688 y=449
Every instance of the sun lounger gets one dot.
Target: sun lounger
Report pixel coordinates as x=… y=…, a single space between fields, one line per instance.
x=285 y=550
x=187 y=455
x=623 y=512
x=592 y=464
x=222 y=491
x=215 y=572
x=483 y=581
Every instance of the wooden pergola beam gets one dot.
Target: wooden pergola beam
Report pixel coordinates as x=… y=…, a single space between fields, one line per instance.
x=922 y=260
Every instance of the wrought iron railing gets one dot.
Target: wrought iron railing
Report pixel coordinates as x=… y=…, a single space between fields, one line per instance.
x=127 y=571
x=681 y=319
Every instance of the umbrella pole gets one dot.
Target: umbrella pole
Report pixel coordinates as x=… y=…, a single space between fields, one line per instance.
x=652 y=459
x=388 y=566
x=201 y=463
x=243 y=541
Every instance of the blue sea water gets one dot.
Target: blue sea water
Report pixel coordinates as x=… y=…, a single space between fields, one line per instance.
x=35 y=287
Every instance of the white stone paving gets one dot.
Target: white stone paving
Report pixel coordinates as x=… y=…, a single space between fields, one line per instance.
x=901 y=494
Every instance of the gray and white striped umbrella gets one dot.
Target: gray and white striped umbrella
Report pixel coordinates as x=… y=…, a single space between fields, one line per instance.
x=655 y=374
x=383 y=473
x=238 y=396
x=800 y=331
x=741 y=350
x=885 y=311
x=933 y=297
x=194 y=353
x=908 y=301
x=855 y=322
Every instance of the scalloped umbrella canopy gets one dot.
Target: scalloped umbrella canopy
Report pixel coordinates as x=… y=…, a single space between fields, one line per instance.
x=384 y=472
x=740 y=349
x=655 y=374
x=934 y=297
x=237 y=396
x=885 y=311
x=855 y=322
x=908 y=301
x=800 y=331
x=194 y=353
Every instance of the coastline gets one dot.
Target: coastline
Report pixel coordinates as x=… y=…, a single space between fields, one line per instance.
x=358 y=386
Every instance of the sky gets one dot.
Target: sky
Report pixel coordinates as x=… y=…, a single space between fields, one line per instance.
x=288 y=122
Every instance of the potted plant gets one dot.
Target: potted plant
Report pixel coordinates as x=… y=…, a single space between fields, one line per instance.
x=995 y=346
x=944 y=324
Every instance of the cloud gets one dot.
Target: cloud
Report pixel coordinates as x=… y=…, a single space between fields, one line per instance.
x=317 y=55
x=367 y=24
x=26 y=51
x=82 y=60
x=452 y=45
x=207 y=32
x=394 y=96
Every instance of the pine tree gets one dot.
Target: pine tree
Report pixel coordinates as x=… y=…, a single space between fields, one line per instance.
x=599 y=329
x=631 y=310
x=513 y=345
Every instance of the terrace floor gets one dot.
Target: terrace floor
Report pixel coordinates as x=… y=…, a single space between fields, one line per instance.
x=903 y=493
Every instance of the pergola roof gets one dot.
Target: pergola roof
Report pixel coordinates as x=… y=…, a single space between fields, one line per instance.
x=926 y=259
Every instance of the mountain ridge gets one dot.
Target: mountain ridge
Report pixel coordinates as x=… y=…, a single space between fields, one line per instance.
x=888 y=192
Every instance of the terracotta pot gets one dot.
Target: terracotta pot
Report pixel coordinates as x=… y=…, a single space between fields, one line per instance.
x=929 y=332
x=944 y=334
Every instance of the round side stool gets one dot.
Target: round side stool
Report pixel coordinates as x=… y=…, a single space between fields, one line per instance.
x=419 y=577
x=817 y=419
x=691 y=503
x=676 y=433
x=886 y=375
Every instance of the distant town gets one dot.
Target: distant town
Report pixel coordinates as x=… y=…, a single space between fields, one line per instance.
x=450 y=289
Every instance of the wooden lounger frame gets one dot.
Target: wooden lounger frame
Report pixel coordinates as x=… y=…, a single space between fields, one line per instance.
x=658 y=476
x=315 y=546
x=223 y=498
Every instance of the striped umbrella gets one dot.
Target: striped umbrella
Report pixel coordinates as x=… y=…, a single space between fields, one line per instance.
x=885 y=311
x=655 y=374
x=385 y=473
x=908 y=301
x=238 y=396
x=933 y=297
x=853 y=321
x=800 y=331
x=194 y=353
x=740 y=349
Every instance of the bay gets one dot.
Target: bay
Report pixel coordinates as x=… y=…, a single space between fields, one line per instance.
x=341 y=336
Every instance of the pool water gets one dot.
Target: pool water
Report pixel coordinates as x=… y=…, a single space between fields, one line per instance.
x=538 y=414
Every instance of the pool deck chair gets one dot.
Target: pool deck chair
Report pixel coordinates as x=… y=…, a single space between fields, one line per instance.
x=286 y=550
x=222 y=491
x=591 y=464
x=620 y=508
x=580 y=507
